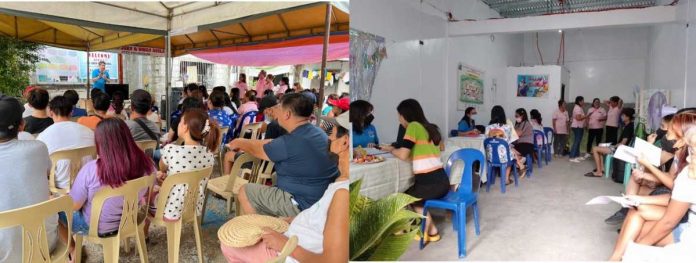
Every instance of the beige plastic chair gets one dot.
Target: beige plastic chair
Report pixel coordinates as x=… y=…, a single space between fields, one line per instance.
x=253 y=128
x=148 y=146
x=193 y=180
x=220 y=151
x=263 y=173
x=228 y=186
x=75 y=157
x=129 y=226
x=32 y=218
x=287 y=250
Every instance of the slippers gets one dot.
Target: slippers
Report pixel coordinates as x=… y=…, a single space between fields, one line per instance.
x=428 y=238
x=591 y=174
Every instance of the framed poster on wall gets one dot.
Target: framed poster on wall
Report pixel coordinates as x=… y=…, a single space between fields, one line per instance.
x=470 y=87
x=536 y=86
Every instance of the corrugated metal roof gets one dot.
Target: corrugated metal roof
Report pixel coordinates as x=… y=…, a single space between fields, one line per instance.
x=522 y=8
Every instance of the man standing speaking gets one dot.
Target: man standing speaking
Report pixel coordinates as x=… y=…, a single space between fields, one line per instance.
x=100 y=77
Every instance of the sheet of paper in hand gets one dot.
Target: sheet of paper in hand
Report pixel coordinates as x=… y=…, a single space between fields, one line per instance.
x=651 y=152
x=627 y=154
x=605 y=199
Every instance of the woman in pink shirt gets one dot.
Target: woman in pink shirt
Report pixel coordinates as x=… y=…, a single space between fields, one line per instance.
x=241 y=84
x=261 y=83
x=613 y=119
x=560 y=128
x=596 y=116
x=578 y=127
x=248 y=104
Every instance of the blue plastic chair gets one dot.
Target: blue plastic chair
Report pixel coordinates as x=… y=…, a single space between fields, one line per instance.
x=493 y=161
x=549 y=142
x=540 y=150
x=459 y=200
x=251 y=116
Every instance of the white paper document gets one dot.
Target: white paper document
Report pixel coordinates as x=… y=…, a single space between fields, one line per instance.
x=605 y=199
x=629 y=154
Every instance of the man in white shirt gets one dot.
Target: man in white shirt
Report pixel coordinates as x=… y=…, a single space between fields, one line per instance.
x=64 y=135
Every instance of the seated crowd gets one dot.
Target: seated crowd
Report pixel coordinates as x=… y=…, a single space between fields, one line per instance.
x=311 y=164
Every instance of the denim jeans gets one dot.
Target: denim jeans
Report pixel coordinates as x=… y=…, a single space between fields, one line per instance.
x=577 y=138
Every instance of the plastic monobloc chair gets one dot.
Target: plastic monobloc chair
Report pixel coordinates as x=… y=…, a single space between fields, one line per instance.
x=458 y=201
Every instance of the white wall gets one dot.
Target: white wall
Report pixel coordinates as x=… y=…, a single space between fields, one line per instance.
x=428 y=72
x=668 y=60
x=490 y=56
x=410 y=70
x=689 y=98
x=603 y=62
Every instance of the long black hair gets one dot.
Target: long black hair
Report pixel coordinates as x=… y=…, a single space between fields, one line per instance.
x=535 y=115
x=578 y=99
x=412 y=111
x=466 y=117
x=359 y=115
x=525 y=119
x=498 y=115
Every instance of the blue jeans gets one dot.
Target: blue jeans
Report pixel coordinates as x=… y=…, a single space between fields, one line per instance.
x=79 y=225
x=577 y=138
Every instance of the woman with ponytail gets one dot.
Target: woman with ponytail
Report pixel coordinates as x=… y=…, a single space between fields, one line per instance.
x=200 y=141
x=421 y=146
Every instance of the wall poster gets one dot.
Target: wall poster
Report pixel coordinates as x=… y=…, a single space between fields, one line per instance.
x=470 y=87
x=533 y=86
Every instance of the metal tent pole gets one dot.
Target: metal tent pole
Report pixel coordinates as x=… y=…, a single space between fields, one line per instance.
x=324 y=56
x=168 y=68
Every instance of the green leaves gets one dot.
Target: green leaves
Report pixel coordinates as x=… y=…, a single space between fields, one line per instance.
x=380 y=230
x=17 y=60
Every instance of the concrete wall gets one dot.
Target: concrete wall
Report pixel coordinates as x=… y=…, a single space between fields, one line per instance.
x=603 y=62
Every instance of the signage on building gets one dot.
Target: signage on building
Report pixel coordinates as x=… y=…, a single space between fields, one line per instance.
x=142 y=51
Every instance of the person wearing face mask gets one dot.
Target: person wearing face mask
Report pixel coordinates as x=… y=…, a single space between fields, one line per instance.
x=321 y=230
x=270 y=128
x=666 y=221
x=653 y=180
x=467 y=125
x=301 y=161
x=524 y=145
x=364 y=133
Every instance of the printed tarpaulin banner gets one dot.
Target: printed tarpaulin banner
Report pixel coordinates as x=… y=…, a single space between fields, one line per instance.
x=366 y=54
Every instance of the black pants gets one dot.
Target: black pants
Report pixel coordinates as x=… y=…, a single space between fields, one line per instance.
x=612 y=134
x=594 y=138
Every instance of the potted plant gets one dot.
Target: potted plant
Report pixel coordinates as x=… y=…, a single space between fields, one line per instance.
x=381 y=230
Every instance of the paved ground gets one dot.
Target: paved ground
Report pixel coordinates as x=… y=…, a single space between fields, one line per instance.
x=544 y=219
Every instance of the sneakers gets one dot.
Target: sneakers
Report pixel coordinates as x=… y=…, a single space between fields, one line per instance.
x=587 y=155
x=576 y=160
x=617 y=218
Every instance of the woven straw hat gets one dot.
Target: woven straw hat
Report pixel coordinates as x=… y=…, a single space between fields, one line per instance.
x=246 y=230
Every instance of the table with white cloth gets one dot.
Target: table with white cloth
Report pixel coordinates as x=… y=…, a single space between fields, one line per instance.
x=454 y=144
x=384 y=178
x=396 y=176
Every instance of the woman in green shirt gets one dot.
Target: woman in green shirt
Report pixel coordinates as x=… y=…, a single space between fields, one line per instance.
x=420 y=146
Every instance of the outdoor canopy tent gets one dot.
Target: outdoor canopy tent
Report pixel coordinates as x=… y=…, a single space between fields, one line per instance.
x=96 y=26
x=290 y=52
x=185 y=26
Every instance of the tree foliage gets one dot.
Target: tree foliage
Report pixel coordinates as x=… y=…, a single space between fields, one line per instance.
x=17 y=61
